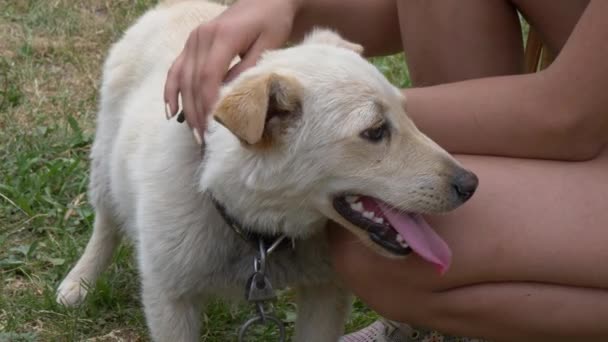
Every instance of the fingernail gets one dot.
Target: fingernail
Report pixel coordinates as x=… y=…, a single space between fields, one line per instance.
x=167 y=111
x=197 y=136
x=181 y=117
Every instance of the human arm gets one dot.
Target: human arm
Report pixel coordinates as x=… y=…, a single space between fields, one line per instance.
x=373 y=24
x=559 y=113
x=251 y=26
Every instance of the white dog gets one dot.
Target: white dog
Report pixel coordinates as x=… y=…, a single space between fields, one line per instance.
x=312 y=133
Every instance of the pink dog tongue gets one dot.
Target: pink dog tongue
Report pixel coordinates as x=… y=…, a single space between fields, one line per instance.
x=419 y=236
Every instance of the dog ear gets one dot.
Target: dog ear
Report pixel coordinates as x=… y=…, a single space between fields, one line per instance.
x=247 y=109
x=329 y=37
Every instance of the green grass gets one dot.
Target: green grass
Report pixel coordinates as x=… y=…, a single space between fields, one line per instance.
x=50 y=58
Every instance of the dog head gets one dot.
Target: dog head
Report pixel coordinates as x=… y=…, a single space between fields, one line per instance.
x=315 y=132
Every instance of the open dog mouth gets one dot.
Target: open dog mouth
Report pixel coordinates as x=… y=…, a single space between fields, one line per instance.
x=396 y=231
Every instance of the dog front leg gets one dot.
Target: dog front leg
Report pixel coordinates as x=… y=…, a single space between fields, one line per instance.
x=322 y=312
x=171 y=319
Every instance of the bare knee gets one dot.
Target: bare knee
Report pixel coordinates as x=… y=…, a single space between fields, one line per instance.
x=447 y=41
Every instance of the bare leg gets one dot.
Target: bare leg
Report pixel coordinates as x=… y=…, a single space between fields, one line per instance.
x=526 y=247
x=454 y=40
x=528 y=254
x=448 y=41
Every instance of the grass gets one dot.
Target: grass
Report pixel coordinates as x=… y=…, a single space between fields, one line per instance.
x=50 y=58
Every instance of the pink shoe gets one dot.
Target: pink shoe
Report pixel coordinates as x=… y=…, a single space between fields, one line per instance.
x=388 y=331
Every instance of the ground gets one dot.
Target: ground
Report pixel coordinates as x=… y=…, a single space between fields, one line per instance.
x=50 y=58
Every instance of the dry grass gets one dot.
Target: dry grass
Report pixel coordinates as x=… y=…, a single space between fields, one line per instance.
x=51 y=52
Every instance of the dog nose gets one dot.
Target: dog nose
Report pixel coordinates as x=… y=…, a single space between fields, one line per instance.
x=465 y=183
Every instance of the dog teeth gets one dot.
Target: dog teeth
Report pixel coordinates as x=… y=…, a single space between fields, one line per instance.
x=357 y=206
x=351 y=199
x=401 y=241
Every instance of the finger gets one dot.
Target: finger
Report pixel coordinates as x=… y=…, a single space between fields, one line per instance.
x=171 y=92
x=205 y=38
x=214 y=70
x=186 y=85
x=249 y=59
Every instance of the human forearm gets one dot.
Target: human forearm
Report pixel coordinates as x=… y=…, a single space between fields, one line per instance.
x=506 y=116
x=559 y=113
x=373 y=24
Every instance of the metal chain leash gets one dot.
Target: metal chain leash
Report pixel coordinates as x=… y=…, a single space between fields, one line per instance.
x=259 y=291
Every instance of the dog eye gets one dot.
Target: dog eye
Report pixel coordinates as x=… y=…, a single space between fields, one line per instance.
x=376 y=134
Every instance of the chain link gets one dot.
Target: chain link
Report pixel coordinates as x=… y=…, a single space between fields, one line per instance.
x=262 y=317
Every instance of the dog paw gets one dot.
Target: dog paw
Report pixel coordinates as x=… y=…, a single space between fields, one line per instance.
x=71 y=293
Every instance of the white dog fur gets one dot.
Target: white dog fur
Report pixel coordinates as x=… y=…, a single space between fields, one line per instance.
x=151 y=181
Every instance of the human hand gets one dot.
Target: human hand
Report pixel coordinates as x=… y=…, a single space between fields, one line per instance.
x=246 y=29
x=394 y=288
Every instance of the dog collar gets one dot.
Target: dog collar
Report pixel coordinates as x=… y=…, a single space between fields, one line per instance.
x=277 y=241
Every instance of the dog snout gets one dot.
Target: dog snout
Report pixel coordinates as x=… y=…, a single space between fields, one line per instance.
x=464 y=184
